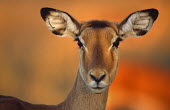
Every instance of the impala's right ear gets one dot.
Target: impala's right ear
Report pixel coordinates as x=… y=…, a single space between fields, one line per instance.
x=59 y=22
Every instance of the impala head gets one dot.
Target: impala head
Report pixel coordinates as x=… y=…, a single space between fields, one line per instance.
x=98 y=42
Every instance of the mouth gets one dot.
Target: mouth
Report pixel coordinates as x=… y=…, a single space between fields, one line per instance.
x=97 y=87
x=98 y=90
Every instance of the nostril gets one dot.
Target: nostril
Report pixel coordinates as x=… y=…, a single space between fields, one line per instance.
x=93 y=77
x=98 y=79
x=102 y=77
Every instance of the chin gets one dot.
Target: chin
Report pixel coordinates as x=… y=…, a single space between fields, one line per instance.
x=98 y=90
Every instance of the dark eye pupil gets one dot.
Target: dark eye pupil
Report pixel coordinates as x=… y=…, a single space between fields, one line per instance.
x=116 y=43
x=79 y=42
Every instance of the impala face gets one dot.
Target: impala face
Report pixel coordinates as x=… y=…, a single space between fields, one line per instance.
x=98 y=42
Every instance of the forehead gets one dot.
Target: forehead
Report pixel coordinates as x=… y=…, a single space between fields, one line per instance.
x=98 y=24
x=98 y=30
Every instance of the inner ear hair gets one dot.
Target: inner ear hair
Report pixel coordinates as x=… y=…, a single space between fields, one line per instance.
x=137 y=23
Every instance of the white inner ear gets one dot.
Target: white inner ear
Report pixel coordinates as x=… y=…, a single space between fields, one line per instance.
x=138 y=20
x=59 y=20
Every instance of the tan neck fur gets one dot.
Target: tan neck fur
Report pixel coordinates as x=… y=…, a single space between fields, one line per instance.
x=81 y=98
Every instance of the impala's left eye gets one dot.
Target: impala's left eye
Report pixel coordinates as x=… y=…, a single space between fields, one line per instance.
x=116 y=43
x=79 y=43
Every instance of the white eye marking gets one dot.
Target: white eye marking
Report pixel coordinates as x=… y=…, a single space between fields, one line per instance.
x=83 y=43
x=110 y=48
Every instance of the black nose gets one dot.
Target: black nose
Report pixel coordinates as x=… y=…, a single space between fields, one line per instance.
x=98 y=79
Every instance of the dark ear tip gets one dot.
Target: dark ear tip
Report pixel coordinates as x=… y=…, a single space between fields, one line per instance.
x=153 y=13
x=45 y=11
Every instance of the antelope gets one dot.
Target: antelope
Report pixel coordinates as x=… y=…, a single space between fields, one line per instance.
x=98 y=42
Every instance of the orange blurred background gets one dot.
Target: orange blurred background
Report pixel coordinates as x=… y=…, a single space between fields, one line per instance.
x=38 y=67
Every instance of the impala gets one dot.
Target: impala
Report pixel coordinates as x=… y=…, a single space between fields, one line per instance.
x=98 y=43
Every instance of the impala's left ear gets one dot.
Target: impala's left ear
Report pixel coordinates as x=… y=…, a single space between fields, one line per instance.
x=138 y=23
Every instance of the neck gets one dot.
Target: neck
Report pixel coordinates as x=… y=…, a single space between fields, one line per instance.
x=81 y=98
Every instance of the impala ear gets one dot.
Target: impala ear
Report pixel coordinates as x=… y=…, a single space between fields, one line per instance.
x=138 y=23
x=59 y=22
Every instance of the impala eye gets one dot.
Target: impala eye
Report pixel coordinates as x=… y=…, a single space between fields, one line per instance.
x=79 y=42
x=116 y=43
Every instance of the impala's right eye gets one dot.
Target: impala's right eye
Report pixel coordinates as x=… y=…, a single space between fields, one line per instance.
x=116 y=43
